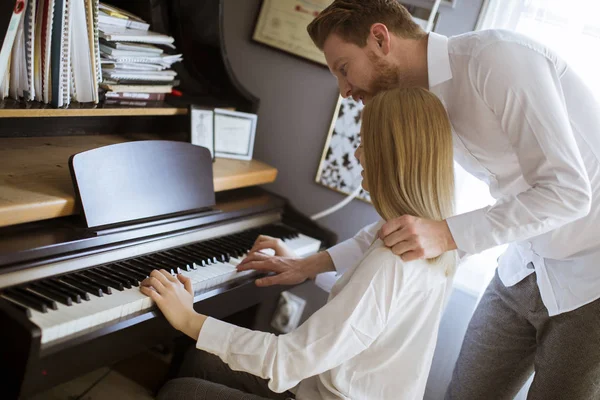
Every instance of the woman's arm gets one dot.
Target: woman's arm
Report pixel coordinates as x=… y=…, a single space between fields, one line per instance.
x=341 y=329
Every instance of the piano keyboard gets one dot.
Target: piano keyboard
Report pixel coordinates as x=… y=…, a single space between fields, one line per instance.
x=67 y=304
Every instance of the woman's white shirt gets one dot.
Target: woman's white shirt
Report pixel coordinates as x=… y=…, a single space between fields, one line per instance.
x=374 y=339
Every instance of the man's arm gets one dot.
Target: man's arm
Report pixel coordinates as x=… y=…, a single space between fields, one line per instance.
x=292 y=271
x=523 y=90
x=346 y=254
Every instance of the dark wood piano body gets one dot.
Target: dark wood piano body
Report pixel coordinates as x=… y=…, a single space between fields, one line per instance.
x=28 y=367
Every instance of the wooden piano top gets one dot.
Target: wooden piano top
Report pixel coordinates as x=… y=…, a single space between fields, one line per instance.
x=35 y=182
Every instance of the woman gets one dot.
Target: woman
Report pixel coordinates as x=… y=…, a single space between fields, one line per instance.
x=375 y=337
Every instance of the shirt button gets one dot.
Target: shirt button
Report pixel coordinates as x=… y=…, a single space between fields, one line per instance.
x=530 y=266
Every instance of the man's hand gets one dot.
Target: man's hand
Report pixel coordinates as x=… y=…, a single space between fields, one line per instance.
x=175 y=298
x=288 y=270
x=267 y=242
x=415 y=238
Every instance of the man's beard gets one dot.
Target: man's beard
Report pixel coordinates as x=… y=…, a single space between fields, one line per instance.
x=387 y=76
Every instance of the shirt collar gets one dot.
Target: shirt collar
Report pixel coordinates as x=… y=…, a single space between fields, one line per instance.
x=438 y=60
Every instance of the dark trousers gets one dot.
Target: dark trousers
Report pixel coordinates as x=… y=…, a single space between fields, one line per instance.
x=204 y=376
x=511 y=335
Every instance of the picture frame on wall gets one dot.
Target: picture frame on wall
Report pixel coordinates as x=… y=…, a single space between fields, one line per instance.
x=234 y=134
x=338 y=169
x=202 y=132
x=282 y=24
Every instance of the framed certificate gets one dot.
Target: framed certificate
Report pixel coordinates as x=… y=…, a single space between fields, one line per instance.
x=202 y=132
x=282 y=24
x=234 y=134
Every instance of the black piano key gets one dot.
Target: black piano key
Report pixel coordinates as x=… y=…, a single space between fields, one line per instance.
x=155 y=261
x=128 y=279
x=51 y=293
x=177 y=264
x=187 y=262
x=18 y=306
x=143 y=266
x=217 y=246
x=194 y=259
x=26 y=301
x=220 y=251
x=226 y=249
x=221 y=245
x=204 y=253
x=130 y=271
x=96 y=291
x=139 y=267
x=76 y=293
x=158 y=262
x=207 y=259
x=248 y=239
x=93 y=282
x=51 y=304
x=242 y=242
x=47 y=284
x=103 y=279
x=160 y=256
x=238 y=248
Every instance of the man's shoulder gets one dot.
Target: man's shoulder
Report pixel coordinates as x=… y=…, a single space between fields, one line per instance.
x=475 y=43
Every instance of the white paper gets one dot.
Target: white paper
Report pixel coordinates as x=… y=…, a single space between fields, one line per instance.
x=202 y=129
x=232 y=134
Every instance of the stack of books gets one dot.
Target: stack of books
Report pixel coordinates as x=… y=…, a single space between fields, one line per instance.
x=136 y=62
x=50 y=51
x=58 y=51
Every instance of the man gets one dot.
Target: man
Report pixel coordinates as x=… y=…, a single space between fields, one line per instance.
x=527 y=125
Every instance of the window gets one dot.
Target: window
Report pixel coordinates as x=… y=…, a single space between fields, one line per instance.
x=571 y=28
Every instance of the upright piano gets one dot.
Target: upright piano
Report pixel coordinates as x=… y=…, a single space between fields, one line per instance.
x=69 y=290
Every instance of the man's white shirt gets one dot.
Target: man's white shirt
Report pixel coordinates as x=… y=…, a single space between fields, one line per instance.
x=526 y=124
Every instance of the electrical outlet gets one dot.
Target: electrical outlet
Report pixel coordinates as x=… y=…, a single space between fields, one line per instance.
x=288 y=312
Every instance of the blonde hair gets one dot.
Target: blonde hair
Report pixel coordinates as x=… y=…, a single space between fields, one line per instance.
x=407 y=148
x=352 y=21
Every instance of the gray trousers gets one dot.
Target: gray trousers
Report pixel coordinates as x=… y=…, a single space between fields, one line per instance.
x=511 y=335
x=204 y=376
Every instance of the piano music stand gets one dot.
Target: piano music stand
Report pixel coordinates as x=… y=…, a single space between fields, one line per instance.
x=141 y=180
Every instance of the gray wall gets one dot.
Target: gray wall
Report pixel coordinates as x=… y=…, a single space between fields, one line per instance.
x=297 y=104
x=297 y=100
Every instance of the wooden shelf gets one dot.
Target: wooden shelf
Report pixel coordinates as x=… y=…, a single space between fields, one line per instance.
x=14 y=109
x=35 y=182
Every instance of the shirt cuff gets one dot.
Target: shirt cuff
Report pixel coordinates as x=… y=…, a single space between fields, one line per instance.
x=342 y=259
x=472 y=232
x=215 y=337
x=326 y=280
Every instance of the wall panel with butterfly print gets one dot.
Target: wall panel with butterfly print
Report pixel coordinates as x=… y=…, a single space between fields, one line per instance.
x=339 y=169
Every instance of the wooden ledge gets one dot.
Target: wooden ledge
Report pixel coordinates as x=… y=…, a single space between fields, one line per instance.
x=35 y=182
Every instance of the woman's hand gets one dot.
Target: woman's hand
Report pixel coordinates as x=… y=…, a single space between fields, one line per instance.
x=265 y=242
x=175 y=298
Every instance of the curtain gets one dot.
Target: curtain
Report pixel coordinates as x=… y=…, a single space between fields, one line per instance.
x=571 y=28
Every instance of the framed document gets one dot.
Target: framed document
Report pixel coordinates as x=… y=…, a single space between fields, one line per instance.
x=234 y=134
x=282 y=24
x=202 y=132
